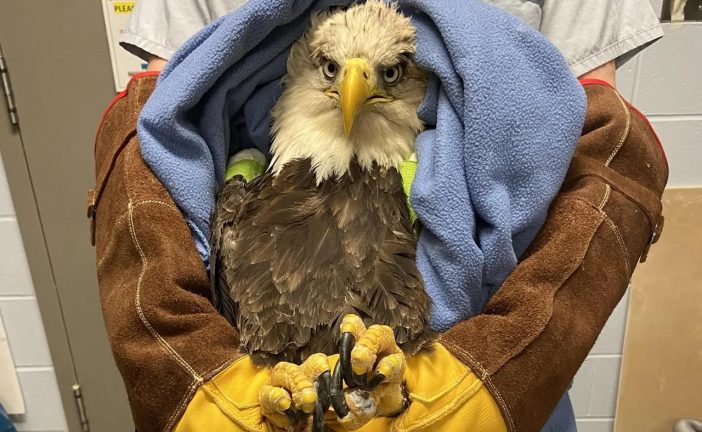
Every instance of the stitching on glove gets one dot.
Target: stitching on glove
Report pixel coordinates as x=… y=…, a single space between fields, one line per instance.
x=627 y=128
x=601 y=217
x=221 y=400
x=620 y=240
x=238 y=406
x=144 y=266
x=215 y=383
x=187 y=397
x=225 y=364
x=501 y=402
x=605 y=199
x=122 y=218
x=449 y=407
x=454 y=384
x=485 y=378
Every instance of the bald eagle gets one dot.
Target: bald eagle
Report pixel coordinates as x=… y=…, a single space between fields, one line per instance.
x=326 y=232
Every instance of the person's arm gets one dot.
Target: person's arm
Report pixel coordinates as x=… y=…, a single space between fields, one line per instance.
x=535 y=332
x=166 y=337
x=593 y=44
x=179 y=359
x=607 y=73
x=156 y=63
x=510 y=365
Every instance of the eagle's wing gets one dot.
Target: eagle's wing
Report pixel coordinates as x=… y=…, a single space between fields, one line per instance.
x=397 y=294
x=229 y=202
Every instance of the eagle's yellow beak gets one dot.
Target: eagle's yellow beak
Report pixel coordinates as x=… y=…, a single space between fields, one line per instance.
x=356 y=88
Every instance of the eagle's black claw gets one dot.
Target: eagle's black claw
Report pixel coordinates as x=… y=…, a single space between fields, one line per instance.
x=348 y=341
x=323 y=387
x=318 y=416
x=336 y=393
x=374 y=382
x=293 y=414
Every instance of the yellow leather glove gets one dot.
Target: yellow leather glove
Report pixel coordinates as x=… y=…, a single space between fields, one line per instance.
x=444 y=394
x=245 y=397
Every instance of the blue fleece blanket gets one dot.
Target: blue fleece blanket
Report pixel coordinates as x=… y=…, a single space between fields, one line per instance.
x=503 y=113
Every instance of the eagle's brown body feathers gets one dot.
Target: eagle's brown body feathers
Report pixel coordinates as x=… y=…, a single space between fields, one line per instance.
x=297 y=256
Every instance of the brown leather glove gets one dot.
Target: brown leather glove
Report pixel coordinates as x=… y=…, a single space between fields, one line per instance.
x=166 y=337
x=538 y=328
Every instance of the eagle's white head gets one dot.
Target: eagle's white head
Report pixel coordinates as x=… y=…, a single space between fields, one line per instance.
x=351 y=89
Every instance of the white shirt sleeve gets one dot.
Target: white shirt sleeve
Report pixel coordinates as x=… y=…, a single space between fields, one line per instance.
x=159 y=27
x=591 y=33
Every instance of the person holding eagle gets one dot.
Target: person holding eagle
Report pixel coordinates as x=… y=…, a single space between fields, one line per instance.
x=313 y=261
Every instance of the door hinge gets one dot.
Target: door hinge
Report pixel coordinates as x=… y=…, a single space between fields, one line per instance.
x=80 y=405
x=7 y=90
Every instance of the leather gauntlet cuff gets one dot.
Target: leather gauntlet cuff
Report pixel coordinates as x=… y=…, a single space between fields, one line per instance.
x=166 y=337
x=538 y=328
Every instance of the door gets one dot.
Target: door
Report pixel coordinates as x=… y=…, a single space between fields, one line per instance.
x=59 y=65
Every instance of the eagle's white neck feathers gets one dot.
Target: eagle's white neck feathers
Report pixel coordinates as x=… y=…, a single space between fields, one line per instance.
x=315 y=131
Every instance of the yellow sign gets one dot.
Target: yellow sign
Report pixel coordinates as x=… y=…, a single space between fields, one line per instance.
x=123 y=7
x=124 y=64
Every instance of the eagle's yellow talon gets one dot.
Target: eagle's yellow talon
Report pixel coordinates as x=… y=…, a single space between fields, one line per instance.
x=392 y=367
x=289 y=385
x=315 y=365
x=353 y=324
x=274 y=402
x=373 y=350
x=362 y=359
x=306 y=400
x=280 y=398
x=308 y=397
x=274 y=398
x=377 y=341
x=301 y=383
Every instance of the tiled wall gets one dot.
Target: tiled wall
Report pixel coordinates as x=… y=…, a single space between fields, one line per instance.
x=25 y=333
x=665 y=82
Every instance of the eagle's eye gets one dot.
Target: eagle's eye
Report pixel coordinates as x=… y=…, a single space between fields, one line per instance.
x=392 y=74
x=329 y=69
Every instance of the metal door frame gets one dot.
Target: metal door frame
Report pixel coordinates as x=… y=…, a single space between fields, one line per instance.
x=59 y=65
x=23 y=198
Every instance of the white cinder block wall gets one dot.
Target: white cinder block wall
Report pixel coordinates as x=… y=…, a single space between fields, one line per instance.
x=25 y=332
x=665 y=82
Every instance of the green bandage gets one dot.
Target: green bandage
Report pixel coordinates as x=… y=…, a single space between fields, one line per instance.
x=407 y=171
x=247 y=168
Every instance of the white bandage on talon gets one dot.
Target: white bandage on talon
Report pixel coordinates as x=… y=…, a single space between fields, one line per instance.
x=363 y=407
